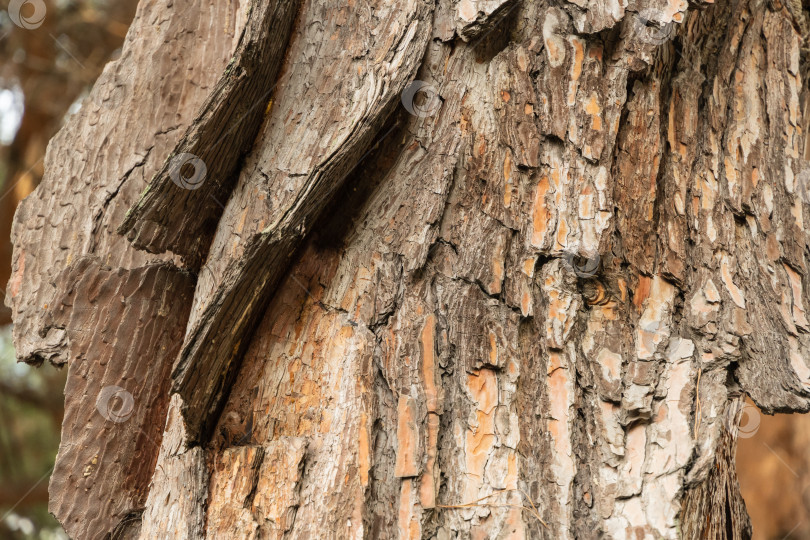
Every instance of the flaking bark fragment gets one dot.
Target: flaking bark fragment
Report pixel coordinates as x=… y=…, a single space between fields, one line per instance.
x=178 y=215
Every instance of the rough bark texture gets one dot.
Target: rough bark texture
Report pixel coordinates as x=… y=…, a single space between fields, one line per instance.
x=528 y=306
x=717 y=499
x=113 y=427
x=279 y=194
x=96 y=167
x=178 y=213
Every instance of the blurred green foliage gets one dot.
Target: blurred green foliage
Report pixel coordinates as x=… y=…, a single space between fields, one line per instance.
x=30 y=416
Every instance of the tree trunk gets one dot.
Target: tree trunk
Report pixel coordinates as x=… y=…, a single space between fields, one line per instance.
x=417 y=269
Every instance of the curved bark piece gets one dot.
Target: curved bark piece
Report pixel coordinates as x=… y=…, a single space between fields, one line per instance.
x=304 y=153
x=178 y=212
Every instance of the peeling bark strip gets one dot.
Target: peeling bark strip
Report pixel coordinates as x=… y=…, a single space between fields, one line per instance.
x=213 y=348
x=112 y=423
x=176 y=215
x=249 y=255
x=532 y=302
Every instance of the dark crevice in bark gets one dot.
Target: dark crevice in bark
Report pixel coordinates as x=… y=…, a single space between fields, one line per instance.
x=585 y=522
x=490 y=40
x=337 y=221
x=128 y=527
x=99 y=217
x=255 y=467
x=532 y=401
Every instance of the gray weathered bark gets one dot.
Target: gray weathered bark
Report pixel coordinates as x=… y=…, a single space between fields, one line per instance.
x=525 y=303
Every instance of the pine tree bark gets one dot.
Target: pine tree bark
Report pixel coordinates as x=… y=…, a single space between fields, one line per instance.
x=488 y=268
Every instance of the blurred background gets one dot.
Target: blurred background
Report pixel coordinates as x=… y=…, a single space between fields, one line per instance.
x=45 y=73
